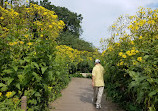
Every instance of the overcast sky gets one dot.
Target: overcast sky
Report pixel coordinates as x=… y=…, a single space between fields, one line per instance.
x=98 y=15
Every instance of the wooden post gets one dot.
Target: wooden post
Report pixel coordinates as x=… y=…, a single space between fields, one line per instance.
x=24 y=103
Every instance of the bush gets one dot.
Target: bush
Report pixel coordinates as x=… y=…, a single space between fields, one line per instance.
x=131 y=61
x=28 y=62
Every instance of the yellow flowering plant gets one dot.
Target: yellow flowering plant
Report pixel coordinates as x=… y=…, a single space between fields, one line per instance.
x=136 y=57
x=27 y=50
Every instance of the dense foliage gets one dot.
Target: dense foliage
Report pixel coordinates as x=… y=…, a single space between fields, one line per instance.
x=32 y=64
x=72 y=30
x=131 y=61
x=27 y=57
x=77 y=61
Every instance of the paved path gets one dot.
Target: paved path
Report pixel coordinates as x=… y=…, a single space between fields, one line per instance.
x=78 y=97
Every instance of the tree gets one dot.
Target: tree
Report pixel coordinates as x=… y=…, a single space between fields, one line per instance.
x=72 y=31
x=71 y=19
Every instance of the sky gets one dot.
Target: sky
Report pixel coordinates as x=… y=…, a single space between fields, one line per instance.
x=99 y=15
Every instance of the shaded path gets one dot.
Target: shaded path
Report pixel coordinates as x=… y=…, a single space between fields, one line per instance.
x=78 y=97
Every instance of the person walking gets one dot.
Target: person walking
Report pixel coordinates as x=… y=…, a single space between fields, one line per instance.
x=97 y=83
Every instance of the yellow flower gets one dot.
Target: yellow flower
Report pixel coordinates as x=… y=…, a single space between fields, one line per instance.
x=29 y=43
x=113 y=26
x=15 y=100
x=26 y=36
x=15 y=43
x=137 y=51
x=120 y=53
x=121 y=63
x=1 y=18
x=41 y=35
x=140 y=37
x=124 y=56
x=8 y=94
x=130 y=26
x=21 y=42
x=135 y=62
x=11 y=43
x=45 y=13
x=50 y=88
x=132 y=42
x=110 y=48
x=118 y=44
x=50 y=26
x=129 y=53
x=0 y=94
x=139 y=59
x=118 y=64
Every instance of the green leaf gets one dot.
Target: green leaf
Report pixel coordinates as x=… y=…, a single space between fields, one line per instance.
x=1 y=85
x=44 y=69
x=146 y=57
x=22 y=61
x=37 y=94
x=9 y=71
x=27 y=59
x=15 y=68
x=18 y=86
x=35 y=64
x=153 y=93
x=20 y=78
x=4 y=88
x=38 y=78
x=9 y=80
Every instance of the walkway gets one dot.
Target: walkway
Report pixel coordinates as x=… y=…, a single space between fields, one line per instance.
x=77 y=97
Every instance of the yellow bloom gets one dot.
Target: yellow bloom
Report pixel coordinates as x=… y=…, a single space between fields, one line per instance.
x=121 y=63
x=124 y=56
x=50 y=26
x=118 y=44
x=135 y=62
x=130 y=26
x=132 y=42
x=1 y=18
x=15 y=100
x=11 y=43
x=21 y=42
x=29 y=43
x=8 y=94
x=129 y=53
x=41 y=35
x=110 y=48
x=137 y=51
x=139 y=59
x=113 y=26
x=118 y=64
x=0 y=94
x=26 y=36
x=120 y=53
x=140 y=37
x=50 y=88
x=45 y=13
x=15 y=43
